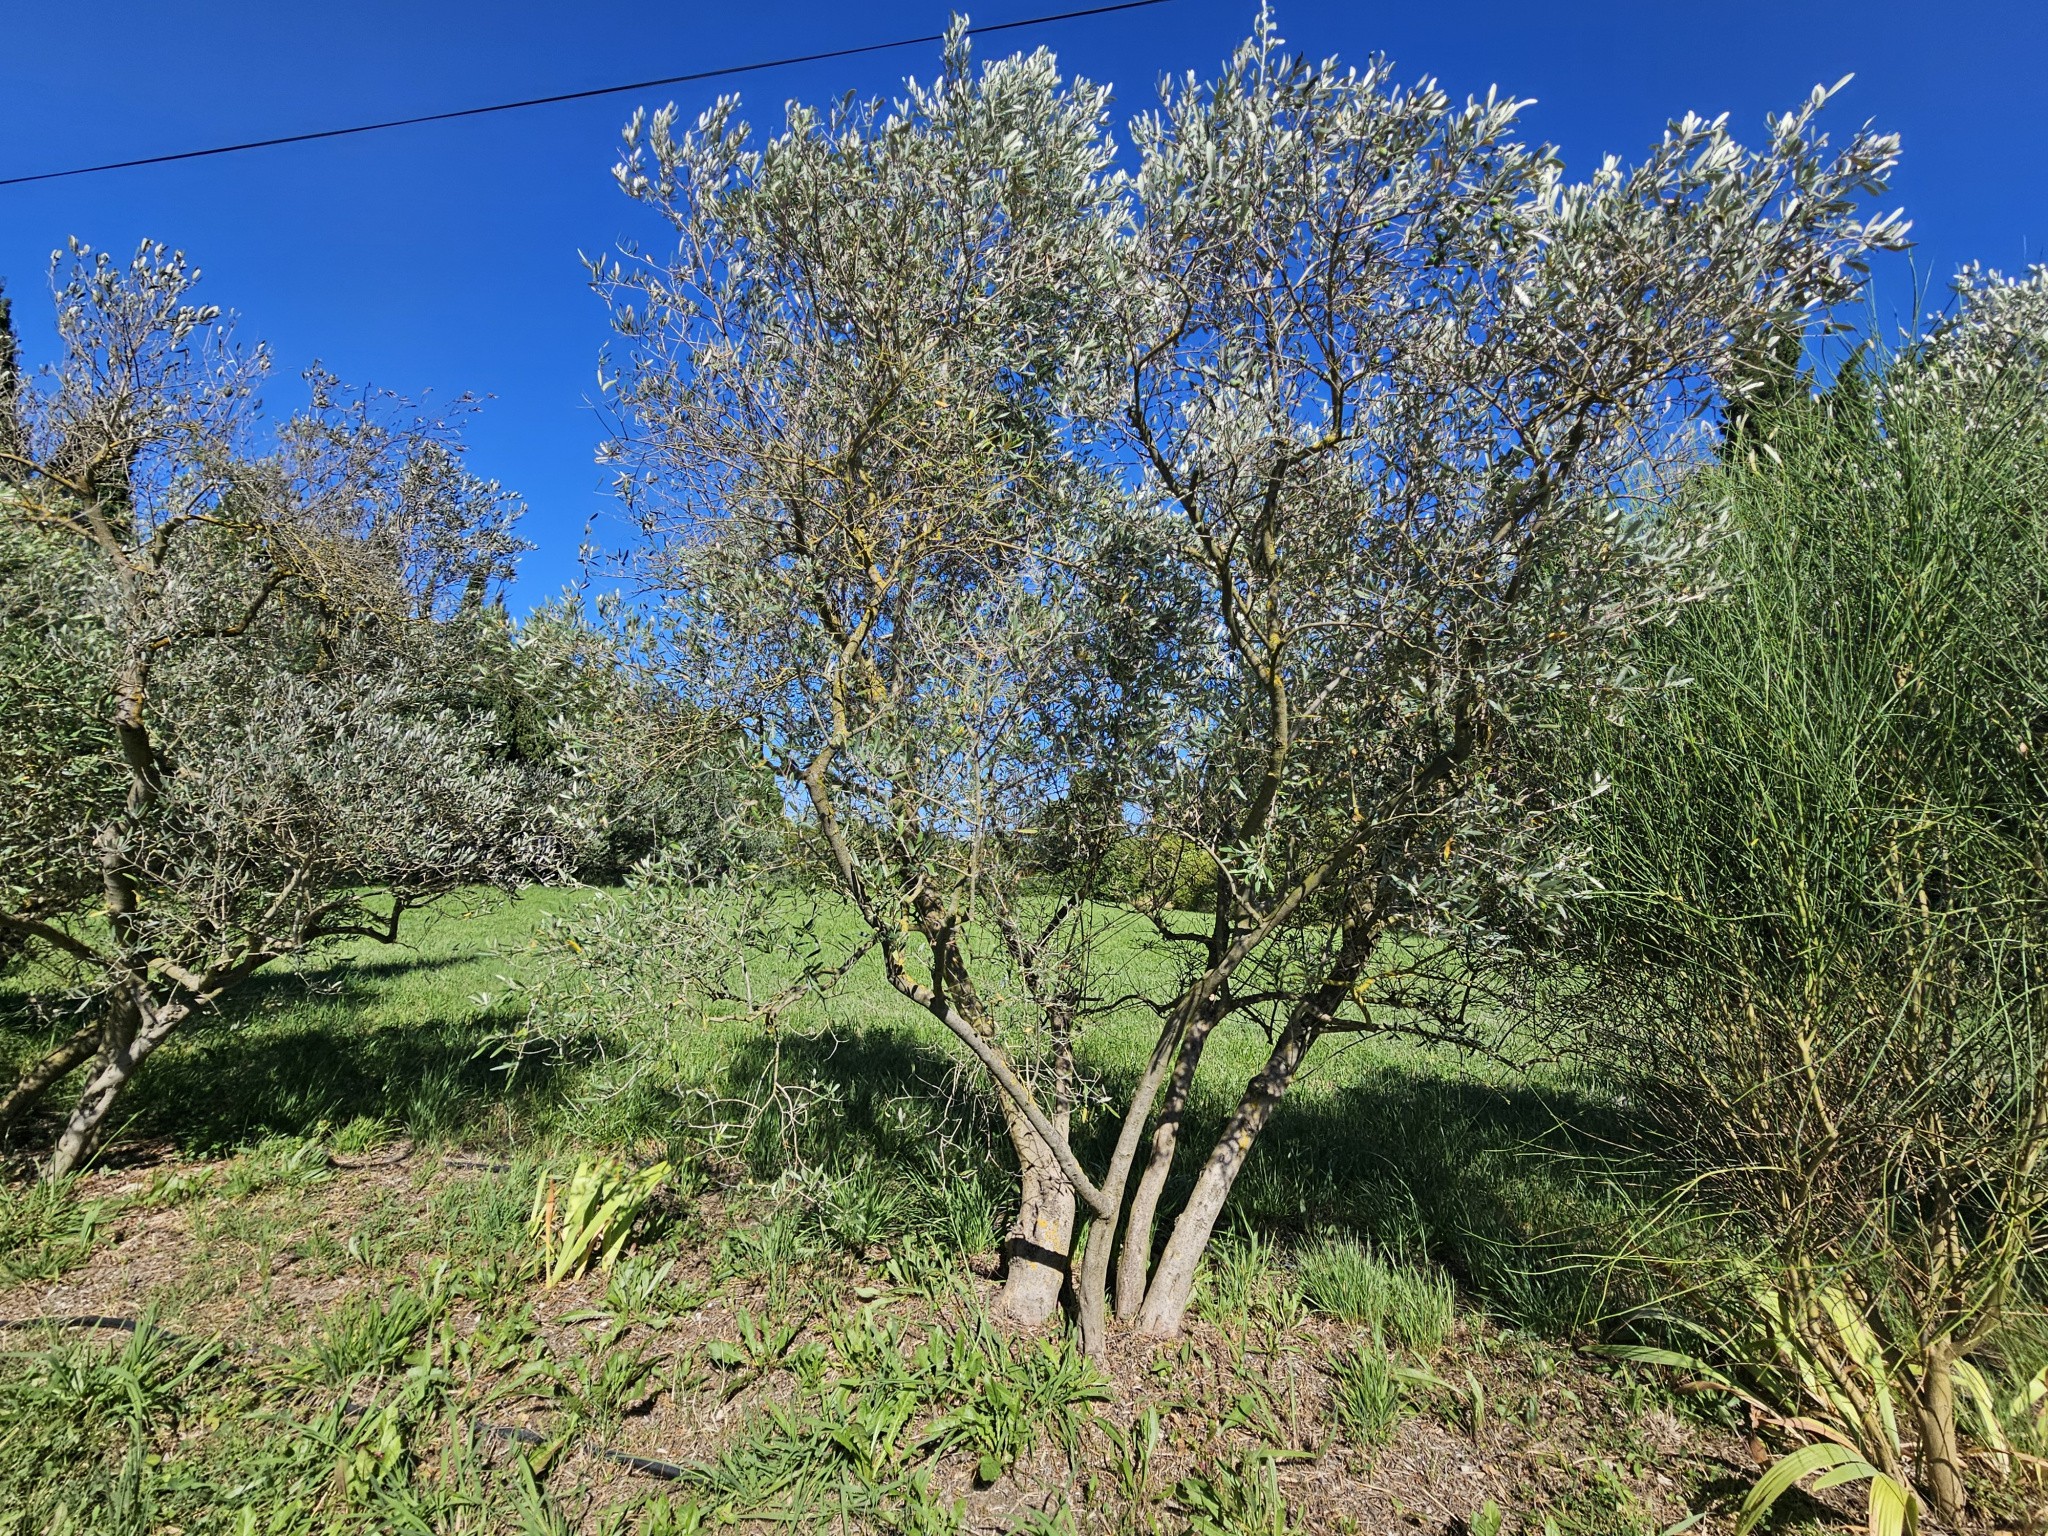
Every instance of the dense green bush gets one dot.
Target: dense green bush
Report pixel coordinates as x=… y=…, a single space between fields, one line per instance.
x=1818 y=965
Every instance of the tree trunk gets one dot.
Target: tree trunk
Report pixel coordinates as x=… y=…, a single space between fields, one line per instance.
x=1042 y=1238
x=1136 y=1256
x=1166 y=1299
x=29 y=1088
x=1941 y=1462
x=134 y=1028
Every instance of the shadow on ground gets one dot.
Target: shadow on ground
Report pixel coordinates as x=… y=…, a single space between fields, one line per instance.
x=289 y=1053
x=1507 y=1187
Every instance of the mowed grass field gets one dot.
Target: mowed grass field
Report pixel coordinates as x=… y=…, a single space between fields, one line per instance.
x=316 y=1304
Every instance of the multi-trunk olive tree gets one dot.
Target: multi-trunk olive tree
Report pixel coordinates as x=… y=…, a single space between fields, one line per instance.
x=236 y=649
x=1262 y=496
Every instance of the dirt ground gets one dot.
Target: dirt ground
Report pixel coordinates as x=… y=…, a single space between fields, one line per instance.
x=1497 y=1431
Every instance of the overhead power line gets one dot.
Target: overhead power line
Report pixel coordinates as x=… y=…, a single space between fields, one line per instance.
x=602 y=90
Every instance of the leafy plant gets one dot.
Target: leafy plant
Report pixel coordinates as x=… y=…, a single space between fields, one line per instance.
x=45 y=1229
x=1893 y=1509
x=1365 y=1393
x=1240 y=1499
x=81 y=1382
x=1816 y=967
x=608 y=1381
x=368 y=1332
x=587 y=1218
x=220 y=803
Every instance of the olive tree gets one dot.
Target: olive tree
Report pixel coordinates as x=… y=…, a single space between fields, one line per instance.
x=243 y=636
x=843 y=441
x=1262 y=497
x=1397 y=386
x=648 y=772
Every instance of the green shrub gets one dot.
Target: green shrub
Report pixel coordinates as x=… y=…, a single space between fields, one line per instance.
x=1819 y=968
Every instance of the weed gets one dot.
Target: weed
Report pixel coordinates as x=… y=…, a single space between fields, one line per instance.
x=862 y=1208
x=289 y=1162
x=438 y=1104
x=1010 y=1395
x=1236 y=1272
x=1412 y=1306
x=1365 y=1394
x=609 y=1383
x=1240 y=1499
x=1131 y=1457
x=965 y=1219
x=1599 y=1503
x=364 y=1133
x=485 y=1217
x=45 y=1229
x=768 y=1251
x=79 y=1384
x=1056 y=1521
x=366 y=1334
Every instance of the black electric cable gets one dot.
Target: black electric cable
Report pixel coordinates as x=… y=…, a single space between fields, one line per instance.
x=602 y=90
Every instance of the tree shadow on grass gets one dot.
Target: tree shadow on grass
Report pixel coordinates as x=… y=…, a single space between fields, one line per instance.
x=1519 y=1191
x=288 y=1053
x=876 y=1095
x=1514 y=1189
x=1508 y=1187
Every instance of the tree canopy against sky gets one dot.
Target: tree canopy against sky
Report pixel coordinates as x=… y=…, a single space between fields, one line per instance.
x=240 y=674
x=1271 y=488
x=321 y=246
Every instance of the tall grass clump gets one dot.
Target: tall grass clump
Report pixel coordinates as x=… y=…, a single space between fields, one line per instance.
x=1407 y=1304
x=1817 y=971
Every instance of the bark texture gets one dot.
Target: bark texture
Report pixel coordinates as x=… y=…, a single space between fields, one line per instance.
x=30 y=1086
x=1134 y=1261
x=1941 y=1462
x=1042 y=1237
x=1166 y=1299
x=134 y=1028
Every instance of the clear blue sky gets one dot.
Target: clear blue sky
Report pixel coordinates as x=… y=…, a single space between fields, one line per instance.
x=444 y=258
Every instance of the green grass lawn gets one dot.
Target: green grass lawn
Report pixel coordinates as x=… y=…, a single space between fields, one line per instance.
x=1417 y=1150
x=334 y=1174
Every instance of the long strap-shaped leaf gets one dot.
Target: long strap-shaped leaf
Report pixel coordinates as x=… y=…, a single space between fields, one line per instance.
x=1894 y=1511
x=1976 y=1392
x=1821 y=1456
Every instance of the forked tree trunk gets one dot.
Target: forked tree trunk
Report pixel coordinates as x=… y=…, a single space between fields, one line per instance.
x=1042 y=1238
x=1941 y=1462
x=1135 y=1257
x=134 y=1027
x=1166 y=1299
